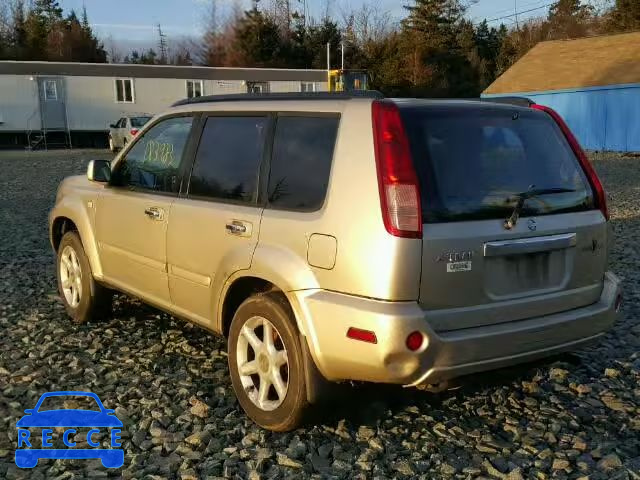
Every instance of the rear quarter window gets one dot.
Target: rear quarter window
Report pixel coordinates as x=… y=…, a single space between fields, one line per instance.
x=301 y=161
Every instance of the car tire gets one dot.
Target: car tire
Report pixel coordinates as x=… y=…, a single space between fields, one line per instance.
x=83 y=298
x=255 y=363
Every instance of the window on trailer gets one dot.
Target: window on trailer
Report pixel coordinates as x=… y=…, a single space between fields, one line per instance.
x=195 y=88
x=307 y=87
x=50 y=90
x=124 y=90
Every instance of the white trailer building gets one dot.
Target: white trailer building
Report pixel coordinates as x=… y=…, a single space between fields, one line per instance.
x=73 y=104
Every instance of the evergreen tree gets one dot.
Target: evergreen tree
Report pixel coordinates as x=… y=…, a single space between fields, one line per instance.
x=258 y=40
x=625 y=16
x=569 y=19
x=432 y=52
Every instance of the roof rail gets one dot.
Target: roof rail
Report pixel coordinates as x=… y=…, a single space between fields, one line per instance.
x=374 y=94
x=518 y=101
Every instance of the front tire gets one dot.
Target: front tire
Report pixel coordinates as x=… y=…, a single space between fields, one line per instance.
x=83 y=298
x=266 y=363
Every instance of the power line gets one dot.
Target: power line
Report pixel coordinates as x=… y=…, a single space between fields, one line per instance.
x=518 y=13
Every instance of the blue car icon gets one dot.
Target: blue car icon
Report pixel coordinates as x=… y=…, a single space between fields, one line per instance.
x=68 y=419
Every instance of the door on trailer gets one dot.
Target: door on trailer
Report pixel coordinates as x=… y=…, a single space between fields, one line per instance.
x=52 y=107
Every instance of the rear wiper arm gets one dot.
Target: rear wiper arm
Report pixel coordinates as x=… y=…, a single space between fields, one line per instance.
x=511 y=222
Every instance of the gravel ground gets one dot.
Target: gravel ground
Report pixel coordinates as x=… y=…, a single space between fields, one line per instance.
x=573 y=417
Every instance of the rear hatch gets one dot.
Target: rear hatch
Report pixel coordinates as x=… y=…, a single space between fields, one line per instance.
x=475 y=162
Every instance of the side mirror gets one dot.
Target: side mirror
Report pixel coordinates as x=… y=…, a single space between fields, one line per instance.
x=29 y=411
x=113 y=125
x=109 y=412
x=99 y=171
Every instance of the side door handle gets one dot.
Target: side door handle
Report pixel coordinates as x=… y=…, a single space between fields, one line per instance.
x=236 y=227
x=154 y=213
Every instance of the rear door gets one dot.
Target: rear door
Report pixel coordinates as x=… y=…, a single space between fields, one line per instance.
x=473 y=161
x=213 y=229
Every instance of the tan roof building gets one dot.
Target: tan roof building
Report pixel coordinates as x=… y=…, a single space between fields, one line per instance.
x=574 y=64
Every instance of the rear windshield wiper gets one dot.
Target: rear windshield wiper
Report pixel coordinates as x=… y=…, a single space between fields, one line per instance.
x=511 y=222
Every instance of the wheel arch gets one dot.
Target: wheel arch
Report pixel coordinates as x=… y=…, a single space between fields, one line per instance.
x=244 y=286
x=71 y=217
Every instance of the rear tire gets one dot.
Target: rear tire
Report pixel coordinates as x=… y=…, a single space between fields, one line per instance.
x=267 y=371
x=83 y=298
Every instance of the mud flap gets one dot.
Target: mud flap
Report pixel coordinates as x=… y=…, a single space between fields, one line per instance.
x=318 y=387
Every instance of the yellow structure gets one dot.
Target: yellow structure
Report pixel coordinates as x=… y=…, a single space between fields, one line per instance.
x=347 y=80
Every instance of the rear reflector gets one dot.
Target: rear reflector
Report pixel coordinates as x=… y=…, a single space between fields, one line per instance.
x=362 y=335
x=397 y=179
x=134 y=132
x=414 y=341
x=594 y=181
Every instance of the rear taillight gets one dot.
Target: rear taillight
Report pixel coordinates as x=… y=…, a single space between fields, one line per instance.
x=134 y=132
x=596 y=185
x=397 y=179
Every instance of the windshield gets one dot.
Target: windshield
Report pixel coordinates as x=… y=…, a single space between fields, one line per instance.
x=139 y=121
x=67 y=402
x=473 y=162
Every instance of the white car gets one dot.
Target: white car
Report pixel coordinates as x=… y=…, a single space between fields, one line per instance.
x=123 y=131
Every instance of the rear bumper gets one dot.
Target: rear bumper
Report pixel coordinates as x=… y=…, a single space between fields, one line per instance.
x=327 y=316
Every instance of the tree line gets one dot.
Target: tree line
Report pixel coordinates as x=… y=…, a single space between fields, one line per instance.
x=435 y=50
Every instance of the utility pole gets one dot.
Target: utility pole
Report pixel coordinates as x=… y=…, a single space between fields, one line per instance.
x=515 y=10
x=162 y=45
x=328 y=56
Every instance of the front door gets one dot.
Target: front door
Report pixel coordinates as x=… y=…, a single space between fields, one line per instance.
x=132 y=214
x=213 y=230
x=52 y=103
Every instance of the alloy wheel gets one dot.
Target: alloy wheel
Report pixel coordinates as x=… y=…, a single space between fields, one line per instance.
x=71 y=276
x=263 y=364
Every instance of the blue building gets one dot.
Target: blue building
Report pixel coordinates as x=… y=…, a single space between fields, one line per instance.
x=594 y=83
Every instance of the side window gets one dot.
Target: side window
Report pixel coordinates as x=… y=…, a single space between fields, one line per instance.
x=228 y=159
x=120 y=123
x=307 y=87
x=124 y=90
x=194 y=88
x=153 y=163
x=301 y=162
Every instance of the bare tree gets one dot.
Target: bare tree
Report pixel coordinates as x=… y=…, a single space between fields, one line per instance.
x=366 y=24
x=112 y=50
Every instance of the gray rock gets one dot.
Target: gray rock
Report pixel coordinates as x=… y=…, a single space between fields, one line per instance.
x=609 y=462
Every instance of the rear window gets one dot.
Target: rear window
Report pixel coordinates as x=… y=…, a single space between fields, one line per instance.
x=472 y=162
x=139 y=121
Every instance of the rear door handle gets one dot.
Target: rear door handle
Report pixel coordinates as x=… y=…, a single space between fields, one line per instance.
x=154 y=213
x=239 y=228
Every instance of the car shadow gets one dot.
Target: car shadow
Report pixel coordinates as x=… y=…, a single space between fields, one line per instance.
x=369 y=403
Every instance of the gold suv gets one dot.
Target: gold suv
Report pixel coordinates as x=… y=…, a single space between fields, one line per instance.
x=335 y=237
